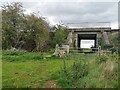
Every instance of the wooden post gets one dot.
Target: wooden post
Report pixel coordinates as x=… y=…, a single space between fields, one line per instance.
x=99 y=51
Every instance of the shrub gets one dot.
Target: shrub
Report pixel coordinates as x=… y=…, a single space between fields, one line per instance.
x=107 y=46
x=59 y=36
x=64 y=82
x=102 y=58
x=73 y=74
x=80 y=69
x=113 y=50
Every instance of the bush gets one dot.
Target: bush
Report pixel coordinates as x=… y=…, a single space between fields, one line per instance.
x=59 y=36
x=80 y=70
x=107 y=46
x=64 y=82
x=102 y=58
x=72 y=75
x=113 y=50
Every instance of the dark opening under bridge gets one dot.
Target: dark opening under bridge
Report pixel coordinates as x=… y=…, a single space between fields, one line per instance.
x=89 y=31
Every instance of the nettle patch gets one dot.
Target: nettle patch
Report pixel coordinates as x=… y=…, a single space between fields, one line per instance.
x=71 y=76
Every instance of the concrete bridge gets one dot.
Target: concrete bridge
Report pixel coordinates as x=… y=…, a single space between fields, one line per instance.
x=92 y=33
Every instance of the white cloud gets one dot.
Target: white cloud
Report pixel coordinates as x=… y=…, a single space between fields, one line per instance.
x=28 y=11
x=114 y=25
x=52 y=21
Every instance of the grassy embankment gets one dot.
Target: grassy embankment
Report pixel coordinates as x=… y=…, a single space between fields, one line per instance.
x=23 y=69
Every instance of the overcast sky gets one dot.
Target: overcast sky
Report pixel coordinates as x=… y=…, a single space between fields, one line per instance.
x=73 y=11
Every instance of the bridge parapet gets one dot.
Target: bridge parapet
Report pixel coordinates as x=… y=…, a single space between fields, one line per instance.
x=89 y=29
x=89 y=25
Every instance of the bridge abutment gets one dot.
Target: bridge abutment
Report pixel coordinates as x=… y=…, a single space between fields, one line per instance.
x=89 y=34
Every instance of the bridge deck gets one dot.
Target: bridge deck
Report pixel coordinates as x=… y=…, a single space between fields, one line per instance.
x=92 y=29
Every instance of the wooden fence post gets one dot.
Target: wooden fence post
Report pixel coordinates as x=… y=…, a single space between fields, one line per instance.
x=99 y=51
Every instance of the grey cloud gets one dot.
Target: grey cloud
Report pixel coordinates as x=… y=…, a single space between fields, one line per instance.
x=75 y=12
x=82 y=12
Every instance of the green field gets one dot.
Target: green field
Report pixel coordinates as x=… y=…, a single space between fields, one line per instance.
x=33 y=70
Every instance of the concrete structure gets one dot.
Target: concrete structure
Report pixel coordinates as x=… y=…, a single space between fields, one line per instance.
x=92 y=33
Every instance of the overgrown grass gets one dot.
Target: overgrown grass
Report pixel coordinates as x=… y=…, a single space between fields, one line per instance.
x=91 y=72
x=24 y=69
x=28 y=69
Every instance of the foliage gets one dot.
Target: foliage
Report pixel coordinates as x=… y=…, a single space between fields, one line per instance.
x=11 y=24
x=102 y=58
x=113 y=50
x=73 y=75
x=60 y=36
x=114 y=42
x=36 y=34
x=90 y=73
x=105 y=46
x=21 y=31
x=28 y=32
x=115 y=39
